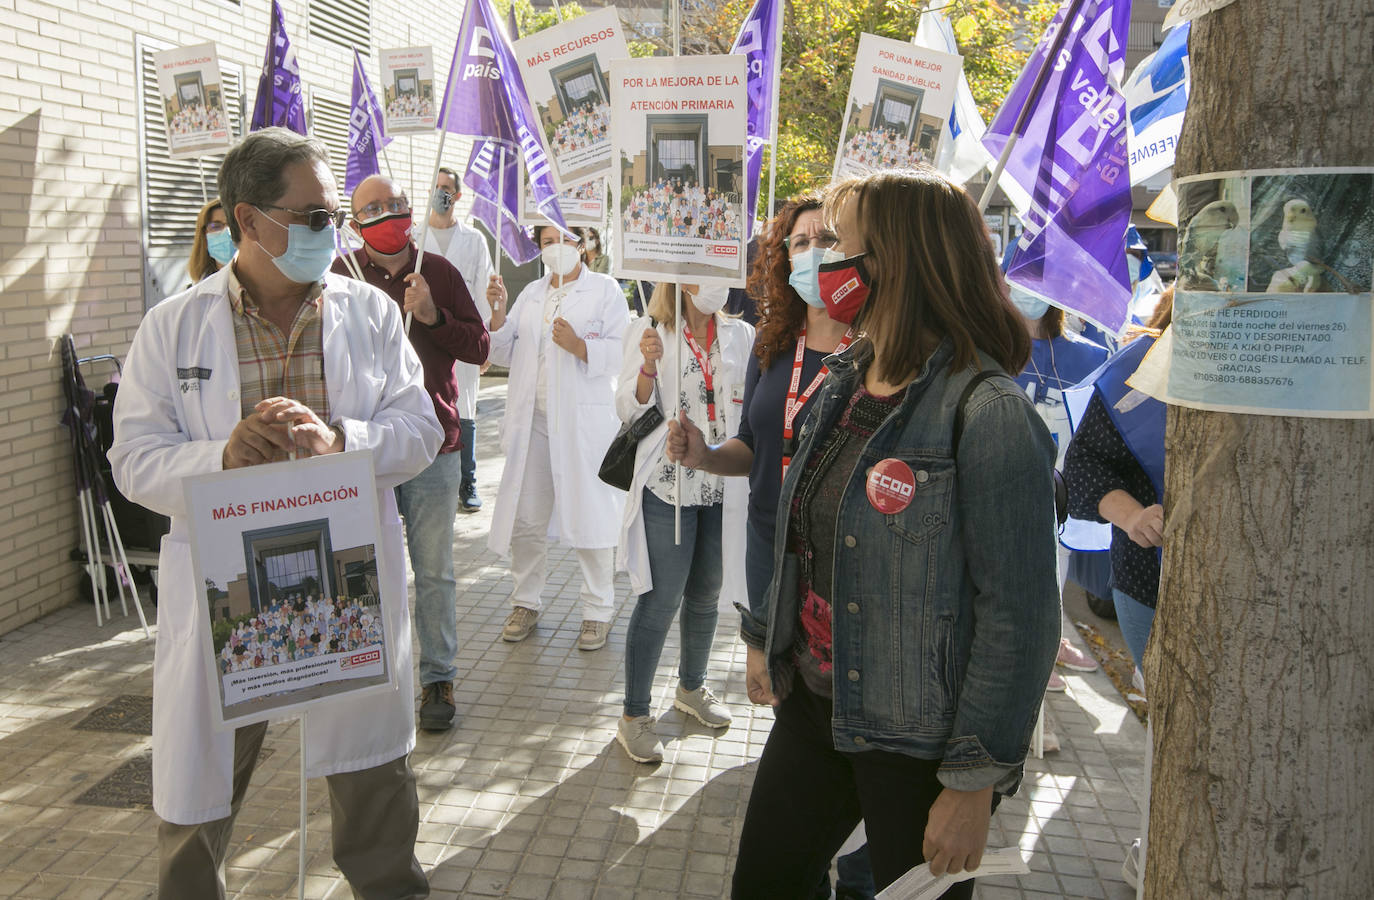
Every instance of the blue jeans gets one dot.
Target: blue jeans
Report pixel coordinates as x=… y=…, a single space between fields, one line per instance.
x=429 y=501
x=467 y=430
x=1135 y=619
x=688 y=576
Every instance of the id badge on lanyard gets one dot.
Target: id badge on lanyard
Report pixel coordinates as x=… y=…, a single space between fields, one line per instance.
x=795 y=403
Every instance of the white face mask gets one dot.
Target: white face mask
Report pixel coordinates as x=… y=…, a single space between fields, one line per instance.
x=560 y=258
x=710 y=300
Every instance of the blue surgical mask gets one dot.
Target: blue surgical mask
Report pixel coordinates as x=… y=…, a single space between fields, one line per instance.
x=221 y=246
x=1026 y=303
x=308 y=253
x=803 y=277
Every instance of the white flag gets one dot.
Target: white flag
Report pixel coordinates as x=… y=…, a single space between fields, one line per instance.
x=962 y=154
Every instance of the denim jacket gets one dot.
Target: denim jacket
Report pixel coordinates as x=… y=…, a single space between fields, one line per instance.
x=945 y=615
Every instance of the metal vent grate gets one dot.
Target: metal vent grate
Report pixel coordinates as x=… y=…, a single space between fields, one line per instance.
x=345 y=22
x=329 y=123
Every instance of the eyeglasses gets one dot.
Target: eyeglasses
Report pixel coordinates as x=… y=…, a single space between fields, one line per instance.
x=317 y=219
x=395 y=206
x=800 y=243
x=215 y=227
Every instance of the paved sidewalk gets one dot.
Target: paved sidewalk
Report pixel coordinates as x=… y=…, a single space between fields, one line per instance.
x=528 y=797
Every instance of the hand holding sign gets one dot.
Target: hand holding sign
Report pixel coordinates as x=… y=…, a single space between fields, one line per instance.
x=686 y=443
x=564 y=336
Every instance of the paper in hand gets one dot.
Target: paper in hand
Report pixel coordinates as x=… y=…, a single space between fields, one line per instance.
x=919 y=884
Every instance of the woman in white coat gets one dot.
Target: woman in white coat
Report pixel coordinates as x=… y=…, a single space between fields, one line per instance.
x=561 y=343
x=709 y=385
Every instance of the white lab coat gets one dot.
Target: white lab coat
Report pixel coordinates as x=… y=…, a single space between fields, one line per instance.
x=581 y=410
x=736 y=338
x=169 y=427
x=467 y=250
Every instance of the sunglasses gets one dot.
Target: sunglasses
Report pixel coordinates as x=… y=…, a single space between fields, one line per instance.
x=317 y=219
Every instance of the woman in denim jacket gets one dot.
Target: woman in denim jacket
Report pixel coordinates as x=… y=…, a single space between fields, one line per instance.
x=914 y=617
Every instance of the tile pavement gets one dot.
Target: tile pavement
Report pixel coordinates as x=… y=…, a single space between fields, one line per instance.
x=528 y=796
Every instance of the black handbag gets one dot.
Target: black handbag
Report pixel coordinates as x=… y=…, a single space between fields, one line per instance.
x=618 y=466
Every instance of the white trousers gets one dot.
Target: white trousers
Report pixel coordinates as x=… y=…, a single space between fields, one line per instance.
x=529 y=542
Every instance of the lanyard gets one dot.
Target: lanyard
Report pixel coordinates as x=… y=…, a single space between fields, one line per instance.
x=704 y=361
x=794 y=403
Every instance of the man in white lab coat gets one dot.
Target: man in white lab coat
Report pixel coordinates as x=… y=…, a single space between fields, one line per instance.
x=464 y=246
x=268 y=355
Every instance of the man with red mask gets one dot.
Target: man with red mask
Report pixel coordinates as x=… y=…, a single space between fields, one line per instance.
x=445 y=327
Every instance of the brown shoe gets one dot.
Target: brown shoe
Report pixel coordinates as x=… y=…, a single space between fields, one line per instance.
x=436 y=706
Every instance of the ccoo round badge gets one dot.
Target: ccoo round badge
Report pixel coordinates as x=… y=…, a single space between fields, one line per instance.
x=890 y=486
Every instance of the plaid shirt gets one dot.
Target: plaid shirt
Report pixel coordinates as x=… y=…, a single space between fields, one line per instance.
x=271 y=365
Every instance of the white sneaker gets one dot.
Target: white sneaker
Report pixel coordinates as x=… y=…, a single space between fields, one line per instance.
x=703 y=706
x=593 y=635
x=639 y=740
x=519 y=624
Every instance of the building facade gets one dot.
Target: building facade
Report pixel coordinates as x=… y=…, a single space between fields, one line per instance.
x=98 y=220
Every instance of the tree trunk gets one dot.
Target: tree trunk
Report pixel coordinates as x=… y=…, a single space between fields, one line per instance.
x=1261 y=666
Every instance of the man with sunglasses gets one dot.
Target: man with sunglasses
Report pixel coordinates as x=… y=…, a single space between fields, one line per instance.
x=446 y=328
x=266 y=358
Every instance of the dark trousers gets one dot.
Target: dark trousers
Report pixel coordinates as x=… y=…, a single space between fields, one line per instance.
x=374 y=818
x=467 y=431
x=808 y=797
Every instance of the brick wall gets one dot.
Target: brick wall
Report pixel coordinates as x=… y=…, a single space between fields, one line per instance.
x=71 y=235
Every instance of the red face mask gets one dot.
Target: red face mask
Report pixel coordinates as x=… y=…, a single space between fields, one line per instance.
x=389 y=234
x=845 y=285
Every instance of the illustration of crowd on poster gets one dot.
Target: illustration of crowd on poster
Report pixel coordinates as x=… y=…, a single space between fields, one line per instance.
x=408 y=90
x=294 y=626
x=566 y=74
x=582 y=204
x=679 y=128
x=1273 y=307
x=293 y=605
x=188 y=81
x=899 y=97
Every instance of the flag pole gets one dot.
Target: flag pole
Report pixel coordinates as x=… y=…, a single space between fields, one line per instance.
x=1069 y=15
x=678 y=328
x=200 y=167
x=777 y=97
x=500 y=207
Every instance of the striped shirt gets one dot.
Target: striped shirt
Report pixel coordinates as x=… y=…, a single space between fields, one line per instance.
x=274 y=365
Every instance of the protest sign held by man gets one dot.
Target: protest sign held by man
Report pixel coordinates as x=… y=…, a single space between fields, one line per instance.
x=446 y=328
x=266 y=358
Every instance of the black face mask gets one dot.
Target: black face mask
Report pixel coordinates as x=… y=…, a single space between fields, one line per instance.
x=440 y=200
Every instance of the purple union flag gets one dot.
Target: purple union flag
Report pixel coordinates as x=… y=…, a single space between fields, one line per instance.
x=279 y=88
x=486 y=98
x=1072 y=157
